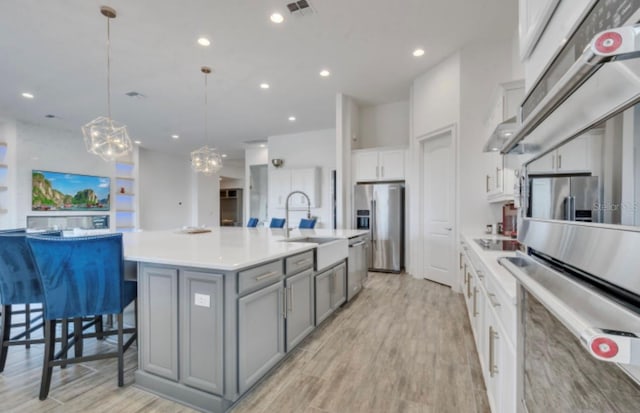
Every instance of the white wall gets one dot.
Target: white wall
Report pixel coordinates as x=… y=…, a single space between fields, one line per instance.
x=347 y=134
x=435 y=104
x=383 y=125
x=302 y=150
x=8 y=212
x=206 y=200
x=165 y=193
x=57 y=150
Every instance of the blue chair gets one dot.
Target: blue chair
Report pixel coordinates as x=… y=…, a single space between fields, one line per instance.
x=82 y=276
x=277 y=223
x=307 y=223
x=19 y=285
x=253 y=222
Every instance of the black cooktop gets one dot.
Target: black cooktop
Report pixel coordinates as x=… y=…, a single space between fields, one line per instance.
x=498 y=245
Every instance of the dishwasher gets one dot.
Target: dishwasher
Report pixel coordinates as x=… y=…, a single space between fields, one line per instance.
x=357 y=264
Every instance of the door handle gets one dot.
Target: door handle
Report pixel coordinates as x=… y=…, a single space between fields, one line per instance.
x=468 y=285
x=448 y=228
x=382 y=171
x=559 y=161
x=475 y=302
x=493 y=336
x=284 y=302
x=290 y=299
x=487 y=183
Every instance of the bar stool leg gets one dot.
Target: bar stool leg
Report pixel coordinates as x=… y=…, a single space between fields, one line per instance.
x=64 y=340
x=99 y=327
x=77 y=336
x=120 y=350
x=49 y=354
x=27 y=324
x=5 y=336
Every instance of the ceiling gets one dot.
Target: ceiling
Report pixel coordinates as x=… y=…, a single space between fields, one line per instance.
x=57 y=51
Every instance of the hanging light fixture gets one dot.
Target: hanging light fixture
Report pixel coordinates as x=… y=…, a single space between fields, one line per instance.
x=206 y=160
x=103 y=136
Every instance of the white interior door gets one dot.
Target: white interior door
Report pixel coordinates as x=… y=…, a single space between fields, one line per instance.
x=438 y=214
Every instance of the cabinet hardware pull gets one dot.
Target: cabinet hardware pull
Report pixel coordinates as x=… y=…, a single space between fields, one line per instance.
x=493 y=335
x=284 y=302
x=357 y=244
x=559 y=161
x=460 y=260
x=498 y=178
x=480 y=275
x=302 y=262
x=377 y=172
x=468 y=285
x=492 y=298
x=290 y=299
x=475 y=301
x=382 y=171
x=267 y=275
x=487 y=183
x=553 y=161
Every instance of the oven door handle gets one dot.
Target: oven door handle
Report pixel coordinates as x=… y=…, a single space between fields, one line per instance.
x=581 y=310
x=608 y=46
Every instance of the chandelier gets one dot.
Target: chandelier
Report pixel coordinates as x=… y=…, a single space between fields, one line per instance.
x=103 y=136
x=206 y=160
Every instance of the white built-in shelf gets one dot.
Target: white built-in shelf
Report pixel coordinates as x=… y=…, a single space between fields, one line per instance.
x=125 y=178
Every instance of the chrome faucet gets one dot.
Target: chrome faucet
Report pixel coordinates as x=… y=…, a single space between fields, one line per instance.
x=286 y=206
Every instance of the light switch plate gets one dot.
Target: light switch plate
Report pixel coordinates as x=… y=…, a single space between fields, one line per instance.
x=202 y=300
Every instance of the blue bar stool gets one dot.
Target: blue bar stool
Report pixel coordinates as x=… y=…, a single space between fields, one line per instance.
x=277 y=223
x=81 y=277
x=253 y=222
x=307 y=223
x=19 y=285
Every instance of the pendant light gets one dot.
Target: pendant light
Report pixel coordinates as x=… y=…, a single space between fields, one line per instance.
x=103 y=136
x=206 y=160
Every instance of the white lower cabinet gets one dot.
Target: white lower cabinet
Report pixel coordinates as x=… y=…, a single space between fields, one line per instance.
x=491 y=315
x=331 y=291
x=300 y=308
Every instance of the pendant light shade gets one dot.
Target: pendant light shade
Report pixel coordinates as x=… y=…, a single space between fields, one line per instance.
x=103 y=136
x=206 y=160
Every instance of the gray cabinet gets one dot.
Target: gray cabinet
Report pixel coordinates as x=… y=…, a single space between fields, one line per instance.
x=260 y=333
x=331 y=291
x=158 y=301
x=201 y=330
x=299 y=321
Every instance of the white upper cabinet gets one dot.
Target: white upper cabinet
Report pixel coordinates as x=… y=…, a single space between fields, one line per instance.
x=283 y=181
x=532 y=19
x=378 y=165
x=579 y=155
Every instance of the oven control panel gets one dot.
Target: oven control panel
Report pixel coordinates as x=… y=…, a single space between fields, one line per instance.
x=612 y=345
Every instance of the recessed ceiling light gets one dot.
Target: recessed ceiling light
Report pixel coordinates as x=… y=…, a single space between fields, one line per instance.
x=174 y=136
x=418 y=52
x=27 y=95
x=508 y=133
x=277 y=18
x=262 y=145
x=203 y=41
x=137 y=142
x=325 y=73
x=264 y=86
x=224 y=155
x=292 y=118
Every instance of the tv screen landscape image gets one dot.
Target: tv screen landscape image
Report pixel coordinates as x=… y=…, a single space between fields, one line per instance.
x=58 y=191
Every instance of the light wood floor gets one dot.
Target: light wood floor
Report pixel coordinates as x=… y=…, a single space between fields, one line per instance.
x=403 y=345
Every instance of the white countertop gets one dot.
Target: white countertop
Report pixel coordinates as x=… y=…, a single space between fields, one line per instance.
x=489 y=259
x=224 y=248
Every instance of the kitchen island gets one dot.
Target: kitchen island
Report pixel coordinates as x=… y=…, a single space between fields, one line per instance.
x=218 y=310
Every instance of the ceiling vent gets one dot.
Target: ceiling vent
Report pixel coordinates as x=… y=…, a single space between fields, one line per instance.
x=300 y=8
x=134 y=94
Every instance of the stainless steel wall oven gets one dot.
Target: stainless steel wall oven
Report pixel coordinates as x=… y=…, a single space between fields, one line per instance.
x=579 y=279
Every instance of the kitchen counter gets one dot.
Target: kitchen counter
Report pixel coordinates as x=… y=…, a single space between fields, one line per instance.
x=224 y=248
x=489 y=260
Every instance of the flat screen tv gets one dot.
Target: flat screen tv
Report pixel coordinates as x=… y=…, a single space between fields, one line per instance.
x=59 y=191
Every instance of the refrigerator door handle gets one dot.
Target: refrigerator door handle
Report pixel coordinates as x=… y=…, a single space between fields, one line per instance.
x=567 y=208
x=572 y=202
x=373 y=220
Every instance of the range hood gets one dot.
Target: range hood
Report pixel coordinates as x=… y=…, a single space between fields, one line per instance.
x=501 y=134
x=603 y=81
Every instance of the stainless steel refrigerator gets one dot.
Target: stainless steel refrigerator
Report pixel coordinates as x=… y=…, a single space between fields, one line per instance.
x=568 y=198
x=379 y=208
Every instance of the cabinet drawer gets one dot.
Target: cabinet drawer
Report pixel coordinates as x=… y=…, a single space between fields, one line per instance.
x=254 y=278
x=298 y=262
x=503 y=307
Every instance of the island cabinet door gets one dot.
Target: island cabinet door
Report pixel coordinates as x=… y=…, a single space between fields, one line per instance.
x=201 y=331
x=339 y=290
x=324 y=286
x=300 y=322
x=260 y=333
x=158 y=306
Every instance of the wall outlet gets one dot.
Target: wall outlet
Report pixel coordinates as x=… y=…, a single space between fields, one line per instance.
x=202 y=300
